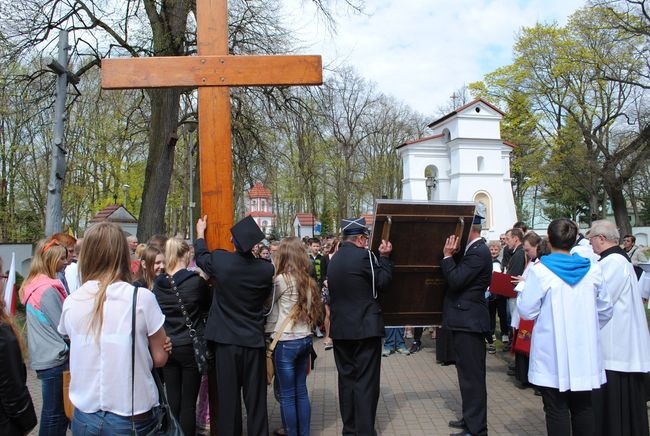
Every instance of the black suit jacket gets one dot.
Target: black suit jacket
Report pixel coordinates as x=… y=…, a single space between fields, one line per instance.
x=242 y=283
x=355 y=313
x=517 y=263
x=464 y=306
x=17 y=416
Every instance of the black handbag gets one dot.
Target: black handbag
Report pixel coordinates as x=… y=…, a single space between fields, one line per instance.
x=203 y=353
x=167 y=424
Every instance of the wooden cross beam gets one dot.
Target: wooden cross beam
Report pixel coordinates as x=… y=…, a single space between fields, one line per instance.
x=213 y=71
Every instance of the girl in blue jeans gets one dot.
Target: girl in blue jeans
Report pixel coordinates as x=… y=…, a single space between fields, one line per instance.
x=43 y=295
x=296 y=296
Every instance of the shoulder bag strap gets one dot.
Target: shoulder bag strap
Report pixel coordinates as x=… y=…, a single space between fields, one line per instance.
x=278 y=333
x=188 y=321
x=133 y=309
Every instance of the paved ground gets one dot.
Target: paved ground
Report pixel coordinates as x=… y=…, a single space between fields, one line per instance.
x=418 y=397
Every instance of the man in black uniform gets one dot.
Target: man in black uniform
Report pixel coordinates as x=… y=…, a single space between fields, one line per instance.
x=354 y=275
x=236 y=326
x=465 y=314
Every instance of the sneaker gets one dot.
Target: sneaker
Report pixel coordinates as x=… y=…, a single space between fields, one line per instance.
x=386 y=352
x=491 y=349
x=403 y=351
x=319 y=334
x=505 y=339
x=415 y=347
x=328 y=344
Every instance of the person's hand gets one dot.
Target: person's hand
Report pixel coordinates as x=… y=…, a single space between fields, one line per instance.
x=201 y=225
x=385 y=248
x=167 y=346
x=517 y=279
x=452 y=245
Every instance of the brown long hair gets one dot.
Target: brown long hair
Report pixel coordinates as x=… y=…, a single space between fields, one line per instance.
x=293 y=262
x=6 y=319
x=104 y=257
x=47 y=255
x=146 y=273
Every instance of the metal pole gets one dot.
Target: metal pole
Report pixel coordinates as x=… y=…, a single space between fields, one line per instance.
x=190 y=203
x=54 y=215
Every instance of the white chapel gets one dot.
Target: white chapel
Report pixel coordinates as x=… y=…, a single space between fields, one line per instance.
x=464 y=159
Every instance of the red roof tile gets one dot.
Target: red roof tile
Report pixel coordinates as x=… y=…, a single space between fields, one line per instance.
x=259 y=191
x=306 y=219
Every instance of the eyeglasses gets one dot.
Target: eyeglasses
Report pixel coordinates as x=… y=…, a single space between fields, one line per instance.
x=590 y=237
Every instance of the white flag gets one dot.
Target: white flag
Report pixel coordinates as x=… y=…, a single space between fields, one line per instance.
x=10 y=295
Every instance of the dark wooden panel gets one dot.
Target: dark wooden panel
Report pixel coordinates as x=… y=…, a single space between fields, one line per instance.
x=418 y=231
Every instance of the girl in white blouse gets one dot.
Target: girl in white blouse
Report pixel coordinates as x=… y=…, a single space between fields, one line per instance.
x=98 y=321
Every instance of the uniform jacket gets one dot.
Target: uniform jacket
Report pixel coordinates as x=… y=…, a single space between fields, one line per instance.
x=464 y=305
x=194 y=292
x=354 y=310
x=241 y=285
x=17 y=416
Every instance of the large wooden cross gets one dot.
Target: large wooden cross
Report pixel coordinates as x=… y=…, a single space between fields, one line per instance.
x=213 y=71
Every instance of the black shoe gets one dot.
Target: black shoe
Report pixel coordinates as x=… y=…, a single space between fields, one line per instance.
x=512 y=366
x=458 y=424
x=511 y=372
x=462 y=433
x=415 y=347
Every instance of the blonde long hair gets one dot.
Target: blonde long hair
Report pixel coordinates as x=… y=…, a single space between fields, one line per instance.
x=48 y=254
x=104 y=257
x=293 y=262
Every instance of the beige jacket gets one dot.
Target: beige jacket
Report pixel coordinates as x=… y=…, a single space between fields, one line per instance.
x=284 y=298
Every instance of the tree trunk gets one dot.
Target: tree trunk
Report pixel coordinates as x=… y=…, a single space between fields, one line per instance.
x=160 y=162
x=620 y=210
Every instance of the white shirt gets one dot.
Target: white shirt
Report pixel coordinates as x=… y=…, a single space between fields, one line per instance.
x=644 y=286
x=565 y=351
x=72 y=276
x=625 y=338
x=583 y=248
x=514 y=312
x=101 y=369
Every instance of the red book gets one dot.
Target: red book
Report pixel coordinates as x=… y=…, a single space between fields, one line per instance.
x=501 y=284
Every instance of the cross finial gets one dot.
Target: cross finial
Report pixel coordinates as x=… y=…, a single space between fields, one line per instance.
x=453 y=97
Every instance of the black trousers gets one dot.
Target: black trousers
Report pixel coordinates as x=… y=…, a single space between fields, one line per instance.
x=498 y=305
x=568 y=411
x=358 y=363
x=183 y=380
x=470 y=365
x=241 y=370
x=417 y=334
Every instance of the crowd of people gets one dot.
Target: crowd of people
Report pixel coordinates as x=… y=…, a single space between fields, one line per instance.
x=577 y=326
x=105 y=298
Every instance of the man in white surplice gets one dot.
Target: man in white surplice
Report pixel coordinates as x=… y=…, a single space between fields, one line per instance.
x=621 y=407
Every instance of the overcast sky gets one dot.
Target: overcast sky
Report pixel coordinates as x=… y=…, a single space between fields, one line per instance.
x=420 y=51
